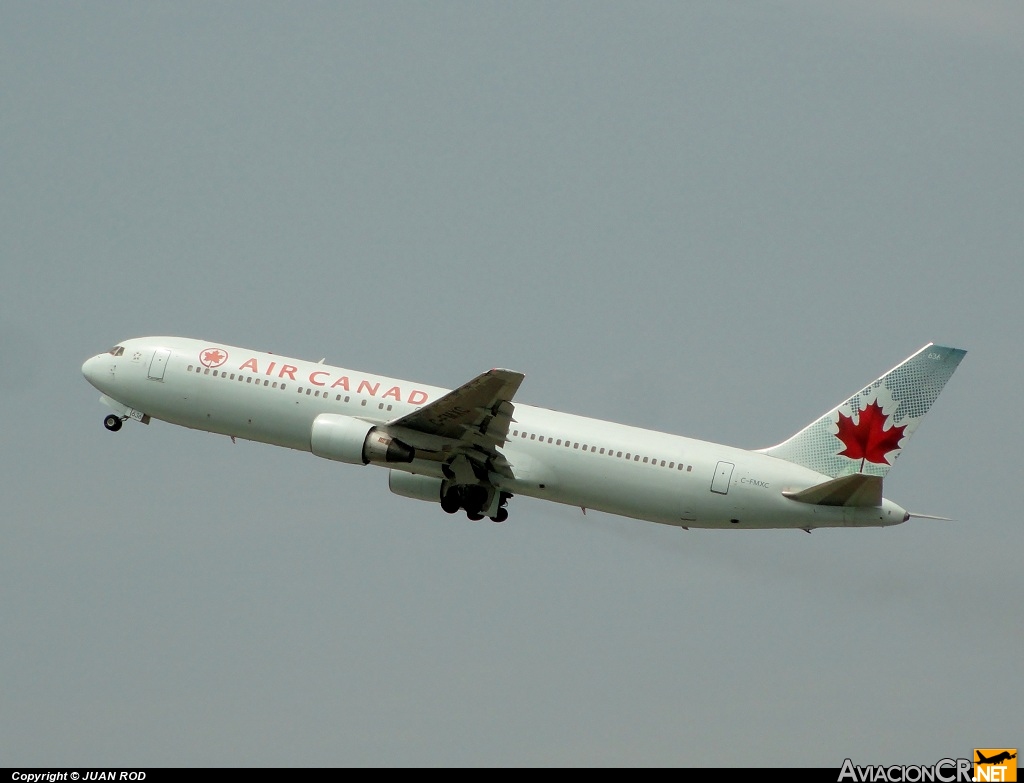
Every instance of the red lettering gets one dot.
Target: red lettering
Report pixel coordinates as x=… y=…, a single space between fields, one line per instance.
x=417 y=397
x=342 y=382
x=316 y=382
x=371 y=389
x=270 y=369
x=394 y=393
x=251 y=364
x=287 y=369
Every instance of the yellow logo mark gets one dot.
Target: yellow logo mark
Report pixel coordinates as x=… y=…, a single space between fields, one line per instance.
x=998 y=765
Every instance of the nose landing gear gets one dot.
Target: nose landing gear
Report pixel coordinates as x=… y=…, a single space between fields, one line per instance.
x=113 y=423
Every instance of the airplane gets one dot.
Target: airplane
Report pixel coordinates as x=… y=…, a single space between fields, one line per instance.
x=473 y=448
x=996 y=759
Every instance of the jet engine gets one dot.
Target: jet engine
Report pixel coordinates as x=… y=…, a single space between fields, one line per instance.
x=476 y=500
x=415 y=486
x=357 y=442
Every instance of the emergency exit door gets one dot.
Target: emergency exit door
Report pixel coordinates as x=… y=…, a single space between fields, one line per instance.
x=723 y=475
x=159 y=364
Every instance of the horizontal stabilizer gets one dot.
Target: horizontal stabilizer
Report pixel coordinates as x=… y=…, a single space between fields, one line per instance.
x=857 y=489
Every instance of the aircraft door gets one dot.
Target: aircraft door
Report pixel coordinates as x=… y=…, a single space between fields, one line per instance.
x=723 y=475
x=158 y=364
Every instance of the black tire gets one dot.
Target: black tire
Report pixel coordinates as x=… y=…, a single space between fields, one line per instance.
x=474 y=517
x=112 y=423
x=473 y=499
x=501 y=516
x=452 y=501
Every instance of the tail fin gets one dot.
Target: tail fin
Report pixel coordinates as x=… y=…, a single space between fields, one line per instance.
x=868 y=432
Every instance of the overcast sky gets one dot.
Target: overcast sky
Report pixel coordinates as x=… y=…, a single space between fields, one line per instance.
x=714 y=219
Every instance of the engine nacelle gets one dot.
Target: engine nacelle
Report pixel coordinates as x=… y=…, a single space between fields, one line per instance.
x=357 y=442
x=415 y=486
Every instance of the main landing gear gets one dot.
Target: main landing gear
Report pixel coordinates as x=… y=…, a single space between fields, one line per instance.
x=113 y=423
x=474 y=499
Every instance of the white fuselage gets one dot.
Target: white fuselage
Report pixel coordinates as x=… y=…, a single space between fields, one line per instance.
x=554 y=456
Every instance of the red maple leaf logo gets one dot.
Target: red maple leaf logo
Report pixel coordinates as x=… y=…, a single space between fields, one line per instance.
x=213 y=357
x=867 y=439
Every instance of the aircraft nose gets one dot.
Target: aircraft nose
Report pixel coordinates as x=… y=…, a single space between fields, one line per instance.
x=93 y=369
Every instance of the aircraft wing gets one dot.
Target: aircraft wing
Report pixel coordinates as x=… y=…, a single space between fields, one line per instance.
x=477 y=415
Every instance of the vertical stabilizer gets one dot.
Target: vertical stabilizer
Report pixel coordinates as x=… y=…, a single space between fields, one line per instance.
x=867 y=433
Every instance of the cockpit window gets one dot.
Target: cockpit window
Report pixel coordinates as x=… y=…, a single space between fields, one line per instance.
x=117 y=350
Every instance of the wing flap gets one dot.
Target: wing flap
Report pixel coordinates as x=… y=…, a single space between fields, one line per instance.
x=476 y=416
x=480 y=407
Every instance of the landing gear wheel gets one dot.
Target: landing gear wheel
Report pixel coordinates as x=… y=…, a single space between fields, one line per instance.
x=474 y=517
x=112 y=422
x=501 y=516
x=452 y=501
x=473 y=500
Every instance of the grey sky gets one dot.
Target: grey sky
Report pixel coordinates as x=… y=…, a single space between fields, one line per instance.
x=715 y=219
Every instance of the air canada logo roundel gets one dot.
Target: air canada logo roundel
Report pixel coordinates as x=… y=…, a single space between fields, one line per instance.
x=212 y=357
x=867 y=439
